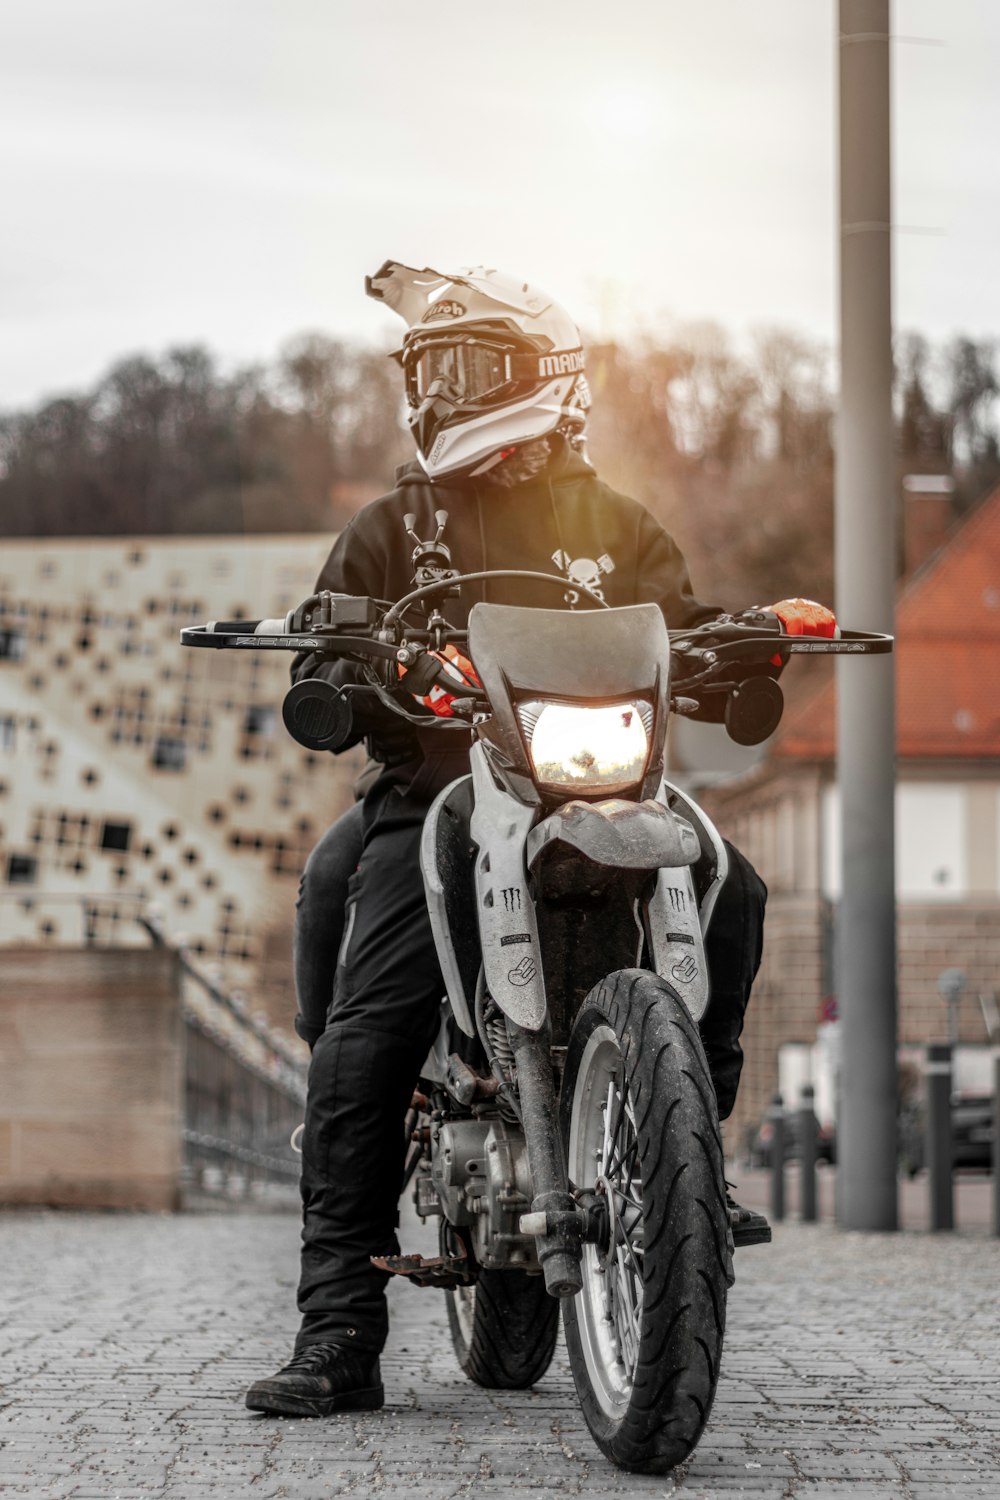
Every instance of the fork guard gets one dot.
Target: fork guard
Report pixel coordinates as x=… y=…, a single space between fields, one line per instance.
x=624 y=835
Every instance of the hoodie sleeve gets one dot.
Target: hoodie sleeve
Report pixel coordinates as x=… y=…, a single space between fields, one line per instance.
x=662 y=578
x=350 y=569
x=354 y=568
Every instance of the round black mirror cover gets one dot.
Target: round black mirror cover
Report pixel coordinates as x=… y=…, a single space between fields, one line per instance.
x=753 y=710
x=317 y=715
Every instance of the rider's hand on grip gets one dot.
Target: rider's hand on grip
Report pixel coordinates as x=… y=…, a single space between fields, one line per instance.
x=452 y=676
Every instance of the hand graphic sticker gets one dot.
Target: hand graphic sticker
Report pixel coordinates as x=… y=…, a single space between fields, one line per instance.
x=686 y=970
x=523 y=973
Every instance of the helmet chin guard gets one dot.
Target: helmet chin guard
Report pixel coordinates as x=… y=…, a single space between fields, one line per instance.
x=490 y=362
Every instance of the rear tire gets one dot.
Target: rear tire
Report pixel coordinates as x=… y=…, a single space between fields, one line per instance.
x=640 y=1123
x=503 y=1329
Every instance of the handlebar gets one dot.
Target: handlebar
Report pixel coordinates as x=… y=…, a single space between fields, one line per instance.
x=727 y=641
x=370 y=632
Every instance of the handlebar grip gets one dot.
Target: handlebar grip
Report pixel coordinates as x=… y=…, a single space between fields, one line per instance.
x=248 y=627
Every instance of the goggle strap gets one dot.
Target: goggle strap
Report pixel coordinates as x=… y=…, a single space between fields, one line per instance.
x=546 y=366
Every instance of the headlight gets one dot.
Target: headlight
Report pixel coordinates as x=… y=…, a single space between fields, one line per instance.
x=574 y=745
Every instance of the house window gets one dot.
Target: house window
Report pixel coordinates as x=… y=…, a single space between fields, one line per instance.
x=116 y=836
x=22 y=869
x=931 y=854
x=169 y=753
x=260 y=719
x=11 y=645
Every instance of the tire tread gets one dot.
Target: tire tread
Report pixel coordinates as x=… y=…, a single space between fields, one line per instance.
x=514 y=1328
x=687 y=1257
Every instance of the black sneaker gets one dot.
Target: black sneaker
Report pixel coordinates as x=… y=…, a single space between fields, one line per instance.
x=320 y=1380
x=748 y=1227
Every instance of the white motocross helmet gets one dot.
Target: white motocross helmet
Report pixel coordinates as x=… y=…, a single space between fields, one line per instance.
x=491 y=363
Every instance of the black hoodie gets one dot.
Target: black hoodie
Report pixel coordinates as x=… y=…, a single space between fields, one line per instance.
x=564 y=520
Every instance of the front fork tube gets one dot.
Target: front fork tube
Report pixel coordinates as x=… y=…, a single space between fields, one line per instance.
x=555 y=1219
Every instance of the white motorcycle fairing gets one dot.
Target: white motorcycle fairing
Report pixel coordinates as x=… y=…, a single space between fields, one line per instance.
x=508 y=842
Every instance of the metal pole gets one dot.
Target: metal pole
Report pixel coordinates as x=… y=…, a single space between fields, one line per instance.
x=938 y=1070
x=866 y=583
x=777 y=1117
x=996 y=1144
x=807 y=1155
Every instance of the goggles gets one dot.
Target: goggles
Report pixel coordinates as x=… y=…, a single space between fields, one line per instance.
x=469 y=372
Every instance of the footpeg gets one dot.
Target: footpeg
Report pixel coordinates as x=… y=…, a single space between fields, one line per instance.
x=448 y=1271
x=748 y=1227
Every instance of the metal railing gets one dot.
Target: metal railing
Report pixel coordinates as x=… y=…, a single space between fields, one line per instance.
x=244 y=1090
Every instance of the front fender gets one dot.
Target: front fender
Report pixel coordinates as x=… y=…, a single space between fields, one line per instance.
x=508 y=927
x=623 y=835
x=639 y=836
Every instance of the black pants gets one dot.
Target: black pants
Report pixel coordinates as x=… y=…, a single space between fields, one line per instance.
x=373 y=1024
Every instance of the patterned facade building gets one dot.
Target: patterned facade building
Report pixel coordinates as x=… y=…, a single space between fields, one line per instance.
x=142 y=780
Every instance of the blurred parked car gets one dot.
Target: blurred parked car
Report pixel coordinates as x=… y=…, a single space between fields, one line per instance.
x=971 y=1134
x=760 y=1141
x=972 y=1130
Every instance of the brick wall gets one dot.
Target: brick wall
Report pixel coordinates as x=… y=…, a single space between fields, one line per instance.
x=785 y=1002
x=776 y=822
x=91 y=1077
x=935 y=936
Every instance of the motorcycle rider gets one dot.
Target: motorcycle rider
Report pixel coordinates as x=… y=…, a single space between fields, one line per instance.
x=497 y=400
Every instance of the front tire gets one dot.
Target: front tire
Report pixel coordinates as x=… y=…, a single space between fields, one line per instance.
x=641 y=1128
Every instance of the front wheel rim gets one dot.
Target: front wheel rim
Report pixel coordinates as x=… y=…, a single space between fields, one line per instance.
x=604 y=1157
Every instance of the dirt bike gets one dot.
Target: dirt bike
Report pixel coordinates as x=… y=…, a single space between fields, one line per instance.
x=565 y=1131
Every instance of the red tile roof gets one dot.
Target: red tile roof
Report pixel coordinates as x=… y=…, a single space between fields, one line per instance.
x=947 y=658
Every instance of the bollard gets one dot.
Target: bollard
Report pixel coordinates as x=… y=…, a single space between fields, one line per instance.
x=938 y=1071
x=776 y=1115
x=996 y=1144
x=807 y=1155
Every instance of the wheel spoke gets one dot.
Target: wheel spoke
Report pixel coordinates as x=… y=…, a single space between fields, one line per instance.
x=630 y=1250
x=622 y=1150
x=627 y=1320
x=612 y=1124
x=608 y=1133
x=625 y=1162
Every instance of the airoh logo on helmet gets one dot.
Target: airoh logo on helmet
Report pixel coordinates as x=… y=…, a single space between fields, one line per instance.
x=445 y=309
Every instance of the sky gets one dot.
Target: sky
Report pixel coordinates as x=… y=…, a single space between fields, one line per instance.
x=227 y=171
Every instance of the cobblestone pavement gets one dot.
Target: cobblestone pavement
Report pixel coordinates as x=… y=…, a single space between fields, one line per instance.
x=855 y=1366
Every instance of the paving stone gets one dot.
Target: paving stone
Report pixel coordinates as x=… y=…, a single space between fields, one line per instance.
x=855 y=1365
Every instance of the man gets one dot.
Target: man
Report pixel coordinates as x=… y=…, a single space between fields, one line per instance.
x=497 y=402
